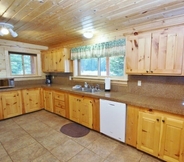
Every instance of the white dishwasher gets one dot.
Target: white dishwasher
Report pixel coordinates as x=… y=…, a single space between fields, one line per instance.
x=113 y=119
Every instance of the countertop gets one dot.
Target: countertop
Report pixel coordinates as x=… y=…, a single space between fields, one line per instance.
x=174 y=106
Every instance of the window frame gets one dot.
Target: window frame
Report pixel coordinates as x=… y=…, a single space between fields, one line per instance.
x=114 y=79
x=24 y=51
x=23 y=64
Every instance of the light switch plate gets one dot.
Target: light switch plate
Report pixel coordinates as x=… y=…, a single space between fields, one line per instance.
x=139 y=83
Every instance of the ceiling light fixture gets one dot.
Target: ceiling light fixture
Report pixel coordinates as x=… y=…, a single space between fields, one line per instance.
x=6 y=28
x=88 y=34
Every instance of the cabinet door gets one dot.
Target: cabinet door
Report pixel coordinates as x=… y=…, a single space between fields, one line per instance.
x=1 y=107
x=149 y=126
x=85 y=115
x=96 y=114
x=131 y=125
x=12 y=103
x=45 y=62
x=48 y=100
x=172 y=143
x=138 y=50
x=59 y=61
x=167 y=52
x=74 y=105
x=31 y=100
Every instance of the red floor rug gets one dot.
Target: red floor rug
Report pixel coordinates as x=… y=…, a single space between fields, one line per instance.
x=74 y=130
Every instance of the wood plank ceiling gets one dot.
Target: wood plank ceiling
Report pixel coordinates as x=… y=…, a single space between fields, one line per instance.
x=49 y=22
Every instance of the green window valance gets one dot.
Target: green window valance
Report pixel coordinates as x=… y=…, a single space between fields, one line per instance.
x=106 y=49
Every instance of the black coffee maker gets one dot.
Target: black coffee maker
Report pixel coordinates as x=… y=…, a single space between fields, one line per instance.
x=48 y=79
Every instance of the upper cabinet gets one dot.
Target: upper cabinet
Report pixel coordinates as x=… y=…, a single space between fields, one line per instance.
x=138 y=50
x=158 y=53
x=56 y=60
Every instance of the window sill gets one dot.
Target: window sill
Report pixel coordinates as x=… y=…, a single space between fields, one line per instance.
x=115 y=81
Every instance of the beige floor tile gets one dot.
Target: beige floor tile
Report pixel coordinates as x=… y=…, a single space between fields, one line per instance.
x=12 y=134
x=28 y=153
x=48 y=157
x=26 y=118
x=18 y=143
x=54 y=121
x=52 y=140
x=124 y=153
x=146 y=158
x=103 y=146
x=34 y=126
x=5 y=159
x=88 y=139
x=67 y=150
x=8 y=125
x=2 y=151
x=86 y=156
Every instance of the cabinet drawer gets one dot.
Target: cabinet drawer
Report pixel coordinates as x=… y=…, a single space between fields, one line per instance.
x=60 y=104
x=60 y=111
x=59 y=96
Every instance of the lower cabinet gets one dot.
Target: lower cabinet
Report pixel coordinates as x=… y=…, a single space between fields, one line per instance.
x=81 y=110
x=161 y=135
x=11 y=103
x=48 y=99
x=60 y=103
x=132 y=124
x=32 y=99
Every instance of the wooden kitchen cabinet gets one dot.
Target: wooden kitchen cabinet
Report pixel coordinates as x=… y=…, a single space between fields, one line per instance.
x=32 y=99
x=161 y=135
x=80 y=109
x=167 y=51
x=138 y=51
x=131 y=125
x=149 y=126
x=158 y=52
x=11 y=103
x=48 y=100
x=60 y=103
x=56 y=60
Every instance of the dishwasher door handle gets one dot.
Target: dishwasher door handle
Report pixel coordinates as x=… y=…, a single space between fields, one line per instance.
x=111 y=104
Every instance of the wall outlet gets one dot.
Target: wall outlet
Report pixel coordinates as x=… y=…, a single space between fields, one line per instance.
x=52 y=77
x=139 y=83
x=70 y=77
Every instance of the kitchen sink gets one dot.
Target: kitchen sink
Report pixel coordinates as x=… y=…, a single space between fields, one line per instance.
x=89 y=90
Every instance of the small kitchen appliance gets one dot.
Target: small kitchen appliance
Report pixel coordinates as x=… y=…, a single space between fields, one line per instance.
x=48 y=79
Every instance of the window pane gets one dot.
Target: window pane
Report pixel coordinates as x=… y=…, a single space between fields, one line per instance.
x=29 y=64
x=116 y=66
x=112 y=66
x=89 y=66
x=103 y=71
x=16 y=64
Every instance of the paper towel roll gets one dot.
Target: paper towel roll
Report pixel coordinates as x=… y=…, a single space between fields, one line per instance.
x=107 y=84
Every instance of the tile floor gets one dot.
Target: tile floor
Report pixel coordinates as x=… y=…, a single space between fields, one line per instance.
x=36 y=137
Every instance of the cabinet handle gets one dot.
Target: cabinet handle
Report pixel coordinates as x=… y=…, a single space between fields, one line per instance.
x=163 y=121
x=158 y=120
x=112 y=104
x=147 y=71
x=151 y=71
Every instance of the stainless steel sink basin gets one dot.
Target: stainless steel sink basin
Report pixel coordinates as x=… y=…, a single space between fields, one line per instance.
x=90 y=90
